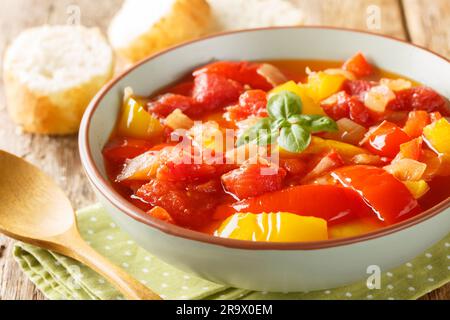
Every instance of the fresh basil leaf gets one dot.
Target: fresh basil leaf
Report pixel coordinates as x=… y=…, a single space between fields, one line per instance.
x=314 y=123
x=280 y=123
x=294 y=139
x=261 y=133
x=284 y=105
x=266 y=138
x=295 y=119
x=300 y=120
x=323 y=124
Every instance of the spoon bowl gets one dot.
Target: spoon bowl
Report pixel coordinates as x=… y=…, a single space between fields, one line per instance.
x=32 y=205
x=33 y=209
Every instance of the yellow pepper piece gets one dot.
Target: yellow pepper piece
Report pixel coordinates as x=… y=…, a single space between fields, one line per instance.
x=273 y=227
x=322 y=85
x=319 y=145
x=309 y=106
x=438 y=135
x=353 y=228
x=344 y=149
x=136 y=122
x=417 y=188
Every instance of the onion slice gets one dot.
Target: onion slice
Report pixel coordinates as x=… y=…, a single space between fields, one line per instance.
x=272 y=74
x=407 y=169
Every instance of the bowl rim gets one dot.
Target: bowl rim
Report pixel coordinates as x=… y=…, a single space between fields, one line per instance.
x=120 y=203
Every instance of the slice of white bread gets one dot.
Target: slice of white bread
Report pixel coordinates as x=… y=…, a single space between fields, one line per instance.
x=51 y=73
x=247 y=14
x=142 y=28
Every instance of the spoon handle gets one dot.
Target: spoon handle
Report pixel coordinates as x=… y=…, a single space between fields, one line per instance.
x=126 y=284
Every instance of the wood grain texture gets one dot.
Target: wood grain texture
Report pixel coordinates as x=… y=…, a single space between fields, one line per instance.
x=53 y=226
x=380 y=16
x=56 y=156
x=428 y=23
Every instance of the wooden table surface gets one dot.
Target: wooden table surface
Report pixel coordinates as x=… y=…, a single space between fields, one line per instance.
x=424 y=22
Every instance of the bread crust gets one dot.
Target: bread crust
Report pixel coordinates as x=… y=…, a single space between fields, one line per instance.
x=57 y=113
x=188 y=19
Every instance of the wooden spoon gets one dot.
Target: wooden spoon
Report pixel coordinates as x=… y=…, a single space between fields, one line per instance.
x=33 y=209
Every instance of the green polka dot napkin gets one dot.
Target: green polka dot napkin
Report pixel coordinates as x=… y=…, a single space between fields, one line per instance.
x=60 y=278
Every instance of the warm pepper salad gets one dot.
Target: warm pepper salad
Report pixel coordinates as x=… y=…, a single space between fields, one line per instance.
x=283 y=150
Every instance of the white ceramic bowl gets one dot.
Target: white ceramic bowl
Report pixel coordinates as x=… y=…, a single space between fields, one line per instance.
x=265 y=266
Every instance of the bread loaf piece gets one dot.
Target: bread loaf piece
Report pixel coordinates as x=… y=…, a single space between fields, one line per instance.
x=51 y=73
x=248 y=14
x=142 y=28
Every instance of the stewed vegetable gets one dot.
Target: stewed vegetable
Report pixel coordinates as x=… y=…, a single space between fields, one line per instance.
x=275 y=151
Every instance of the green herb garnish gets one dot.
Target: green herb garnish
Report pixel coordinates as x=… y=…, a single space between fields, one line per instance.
x=286 y=125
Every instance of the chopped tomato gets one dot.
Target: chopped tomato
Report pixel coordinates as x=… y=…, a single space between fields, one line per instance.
x=411 y=149
x=168 y=103
x=359 y=112
x=178 y=165
x=358 y=65
x=252 y=180
x=293 y=167
x=388 y=197
x=120 y=149
x=246 y=73
x=183 y=89
x=251 y=103
x=161 y=214
x=386 y=139
x=138 y=202
x=332 y=203
x=358 y=87
x=188 y=209
x=342 y=105
x=420 y=98
x=337 y=106
x=213 y=91
x=211 y=186
x=417 y=120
